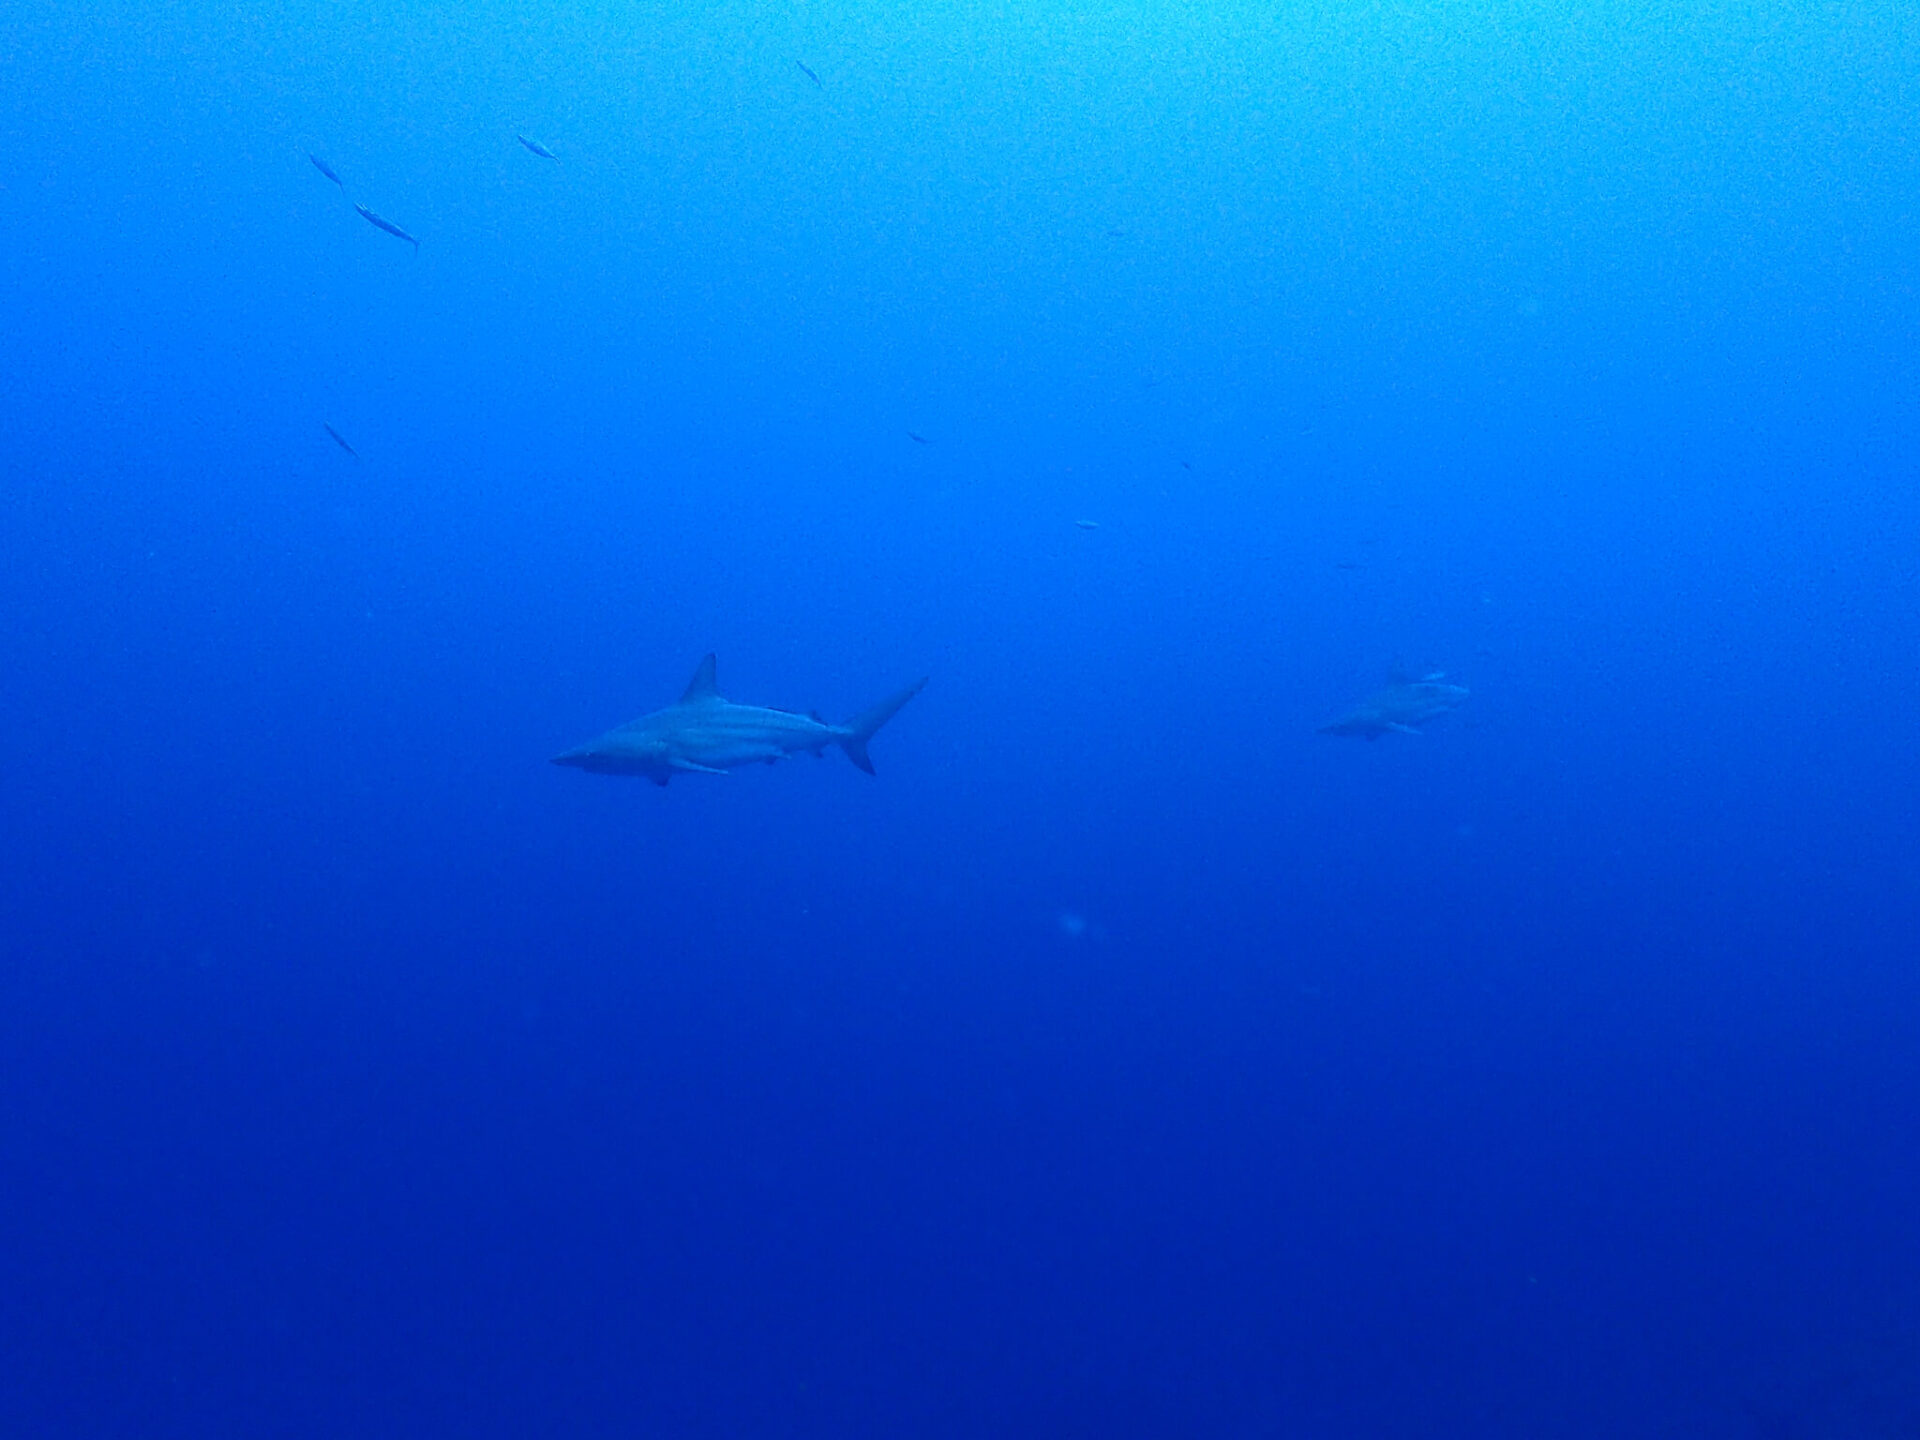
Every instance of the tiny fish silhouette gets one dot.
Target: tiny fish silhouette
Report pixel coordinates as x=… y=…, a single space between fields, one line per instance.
x=807 y=71
x=1185 y=466
x=920 y=438
x=338 y=440
x=537 y=148
x=386 y=225
x=325 y=169
x=1088 y=524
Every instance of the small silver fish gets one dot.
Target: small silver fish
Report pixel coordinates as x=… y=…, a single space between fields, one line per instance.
x=386 y=225
x=339 y=441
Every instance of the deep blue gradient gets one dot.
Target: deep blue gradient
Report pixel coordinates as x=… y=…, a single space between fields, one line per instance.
x=1126 y=1059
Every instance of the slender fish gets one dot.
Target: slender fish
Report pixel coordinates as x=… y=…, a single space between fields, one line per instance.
x=805 y=70
x=386 y=225
x=325 y=169
x=536 y=148
x=338 y=440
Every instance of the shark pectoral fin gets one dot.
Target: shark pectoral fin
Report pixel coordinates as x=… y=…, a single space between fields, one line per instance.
x=660 y=780
x=693 y=768
x=1402 y=729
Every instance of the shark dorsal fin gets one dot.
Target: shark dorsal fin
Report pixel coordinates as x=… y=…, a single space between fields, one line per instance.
x=1406 y=675
x=702 y=686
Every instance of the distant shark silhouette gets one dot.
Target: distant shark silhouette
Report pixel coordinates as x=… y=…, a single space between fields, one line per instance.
x=706 y=735
x=1407 y=703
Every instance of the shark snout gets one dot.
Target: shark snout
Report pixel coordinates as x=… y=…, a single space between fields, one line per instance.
x=577 y=758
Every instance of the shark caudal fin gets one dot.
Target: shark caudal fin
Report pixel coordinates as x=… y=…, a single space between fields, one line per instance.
x=860 y=729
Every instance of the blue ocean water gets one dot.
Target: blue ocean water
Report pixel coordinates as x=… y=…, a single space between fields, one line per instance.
x=1126 y=1058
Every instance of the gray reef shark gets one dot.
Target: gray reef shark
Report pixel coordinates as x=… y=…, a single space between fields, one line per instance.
x=1407 y=703
x=706 y=735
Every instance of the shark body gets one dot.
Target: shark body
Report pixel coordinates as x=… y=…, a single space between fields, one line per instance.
x=1407 y=703
x=705 y=734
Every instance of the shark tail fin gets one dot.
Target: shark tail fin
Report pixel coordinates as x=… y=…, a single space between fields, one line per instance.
x=860 y=729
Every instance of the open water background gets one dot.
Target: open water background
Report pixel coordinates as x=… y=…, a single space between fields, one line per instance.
x=1127 y=1059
